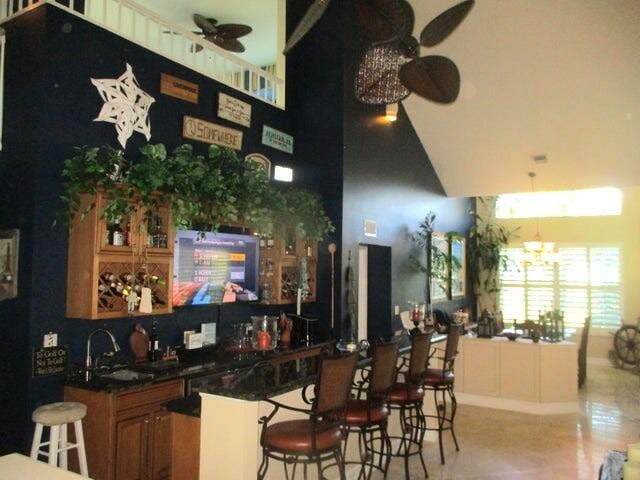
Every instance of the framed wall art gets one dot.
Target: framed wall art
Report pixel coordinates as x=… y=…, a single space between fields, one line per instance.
x=9 y=250
x=439 y=267
x=457 y=266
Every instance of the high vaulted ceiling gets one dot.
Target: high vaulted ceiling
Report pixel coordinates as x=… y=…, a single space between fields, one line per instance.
x=553 y=77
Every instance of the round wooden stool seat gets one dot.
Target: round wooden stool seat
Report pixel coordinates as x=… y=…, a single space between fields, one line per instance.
x=59 y=413
x=359 y=414
x=296 y=436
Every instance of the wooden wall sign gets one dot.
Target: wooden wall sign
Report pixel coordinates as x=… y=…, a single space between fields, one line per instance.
x=178 y=88
x=202 y=131
x=234 y=110
x=49 y=361
x=277 y=139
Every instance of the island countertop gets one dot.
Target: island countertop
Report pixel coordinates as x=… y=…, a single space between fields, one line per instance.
x=255 y=383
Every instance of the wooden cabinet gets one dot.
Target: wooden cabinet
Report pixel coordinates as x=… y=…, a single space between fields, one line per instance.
x=100 y=274
x=128 y=434
x=281 y=261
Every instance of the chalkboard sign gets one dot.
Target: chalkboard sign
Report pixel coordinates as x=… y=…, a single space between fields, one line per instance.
x=49 y=361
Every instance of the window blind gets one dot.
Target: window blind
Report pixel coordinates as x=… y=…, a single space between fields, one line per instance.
x=586 y=281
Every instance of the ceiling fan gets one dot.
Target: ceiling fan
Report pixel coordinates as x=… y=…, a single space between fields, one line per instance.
x=224 y=35
x=391 y=68
x=310 y=18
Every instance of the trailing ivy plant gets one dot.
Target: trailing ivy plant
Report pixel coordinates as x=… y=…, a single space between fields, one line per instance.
x=487 y=240
x=202 y=191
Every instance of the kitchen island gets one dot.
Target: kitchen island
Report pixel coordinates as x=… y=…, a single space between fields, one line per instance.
x=518 y=375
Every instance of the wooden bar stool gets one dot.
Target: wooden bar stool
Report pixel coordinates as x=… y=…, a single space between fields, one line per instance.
x=317 y=438
x=441 y=381
x=369 y=415
x=57 y=416
x=407 y=397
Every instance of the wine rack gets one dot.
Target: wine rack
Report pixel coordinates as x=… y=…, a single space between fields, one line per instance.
x=100 y=274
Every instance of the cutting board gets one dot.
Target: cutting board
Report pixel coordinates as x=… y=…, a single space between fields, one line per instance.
x=139 y=343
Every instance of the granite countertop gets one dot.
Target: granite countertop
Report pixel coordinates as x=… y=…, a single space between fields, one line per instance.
x=206 y=361
x=256 y=383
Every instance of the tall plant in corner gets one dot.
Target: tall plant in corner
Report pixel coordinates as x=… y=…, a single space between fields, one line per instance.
x=423 y=238
x=487 y=240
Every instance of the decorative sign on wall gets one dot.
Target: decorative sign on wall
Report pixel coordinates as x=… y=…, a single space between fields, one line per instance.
x=50 y=361
x=178 y=88
x=9 y=254
x=202 y=131
x=277 y=139
x=125 y=104
x=261 y=160
x=234 y=110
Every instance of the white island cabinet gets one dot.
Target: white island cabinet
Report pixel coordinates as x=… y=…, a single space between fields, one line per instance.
x=520 y=375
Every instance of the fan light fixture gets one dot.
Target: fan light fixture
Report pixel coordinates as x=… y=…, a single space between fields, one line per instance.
x=537 y=251
x=391 y=112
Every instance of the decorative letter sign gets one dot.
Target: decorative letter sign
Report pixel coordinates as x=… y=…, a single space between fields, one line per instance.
x=277 y=139
x=196 y=129
x=49 y=361
x=125 y=104
x=178 y=88
x=234 y=110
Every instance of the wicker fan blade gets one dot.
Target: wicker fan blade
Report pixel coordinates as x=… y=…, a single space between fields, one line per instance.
x=434 y=77
x=444 y=24
x=196 y=48
x=311 y=16
x=231 y=44
x=384 y=21
x=207 y=27
x=377 y=81
x=233 y=30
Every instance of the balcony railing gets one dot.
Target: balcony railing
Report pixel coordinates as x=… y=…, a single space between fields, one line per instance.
x=145 y=28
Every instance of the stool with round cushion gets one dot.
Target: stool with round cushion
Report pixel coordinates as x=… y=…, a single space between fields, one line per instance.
x=57 y=416
x=407 y=397
x=441 y=381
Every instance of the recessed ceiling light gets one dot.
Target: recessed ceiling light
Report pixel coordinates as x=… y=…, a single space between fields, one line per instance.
x=542 y=158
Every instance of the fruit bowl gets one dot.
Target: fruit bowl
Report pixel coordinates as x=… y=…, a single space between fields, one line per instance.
x=511 y=336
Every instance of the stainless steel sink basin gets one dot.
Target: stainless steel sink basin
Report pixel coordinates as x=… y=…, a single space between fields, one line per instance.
x=126 y=375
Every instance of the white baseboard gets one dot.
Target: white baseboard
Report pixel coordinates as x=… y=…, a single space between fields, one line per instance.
x=535 y=408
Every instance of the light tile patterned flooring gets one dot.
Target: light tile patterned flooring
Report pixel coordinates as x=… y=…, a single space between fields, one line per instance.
x=501 y=445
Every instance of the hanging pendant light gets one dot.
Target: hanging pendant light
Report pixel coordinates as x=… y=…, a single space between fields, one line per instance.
x=536 y=250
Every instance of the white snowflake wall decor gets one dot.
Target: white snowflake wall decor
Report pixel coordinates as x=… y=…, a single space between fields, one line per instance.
x=125 y=104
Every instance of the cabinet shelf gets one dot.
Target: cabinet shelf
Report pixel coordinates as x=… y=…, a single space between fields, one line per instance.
x=100 y=275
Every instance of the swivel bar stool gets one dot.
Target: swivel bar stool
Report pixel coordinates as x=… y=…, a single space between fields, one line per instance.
x=369 y=415
x=440 y=381
x=407 y=397
x=318 y=437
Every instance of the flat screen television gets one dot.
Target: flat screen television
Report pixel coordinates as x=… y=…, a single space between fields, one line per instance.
x=214 y=268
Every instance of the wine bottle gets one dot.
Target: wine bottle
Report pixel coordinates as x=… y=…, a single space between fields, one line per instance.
x=154 y=343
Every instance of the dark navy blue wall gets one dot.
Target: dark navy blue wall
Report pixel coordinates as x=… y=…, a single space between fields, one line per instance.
x=50 y=109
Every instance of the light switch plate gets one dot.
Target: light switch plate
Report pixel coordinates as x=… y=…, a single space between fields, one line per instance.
x=396 y=310
x=50 y=340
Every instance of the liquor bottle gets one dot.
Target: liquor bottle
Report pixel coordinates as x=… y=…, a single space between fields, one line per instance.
x=127 y=233
x=162 y=239
x=155 y=353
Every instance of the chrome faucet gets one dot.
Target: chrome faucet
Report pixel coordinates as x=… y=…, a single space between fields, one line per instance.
x=116 y=347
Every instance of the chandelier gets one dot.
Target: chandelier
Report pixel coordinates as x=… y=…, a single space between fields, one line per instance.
x=537 y=251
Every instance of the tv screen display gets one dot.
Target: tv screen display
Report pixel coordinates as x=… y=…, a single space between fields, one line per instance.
x=214 y=268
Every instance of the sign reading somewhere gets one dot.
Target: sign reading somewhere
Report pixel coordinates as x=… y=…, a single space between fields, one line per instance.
x=49 y=361
x=234 y=110
x=176 y=87
x=277 y=139
x=196 y=129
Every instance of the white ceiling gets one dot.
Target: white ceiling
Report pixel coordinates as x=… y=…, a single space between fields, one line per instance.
x=554 y=77
x=261 y=15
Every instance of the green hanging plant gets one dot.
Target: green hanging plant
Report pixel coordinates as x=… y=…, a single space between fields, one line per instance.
x=202 y=191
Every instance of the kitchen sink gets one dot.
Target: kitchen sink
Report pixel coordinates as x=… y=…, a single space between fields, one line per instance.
x=126 y=375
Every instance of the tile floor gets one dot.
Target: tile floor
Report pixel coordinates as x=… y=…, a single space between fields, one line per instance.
x=505 y=445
